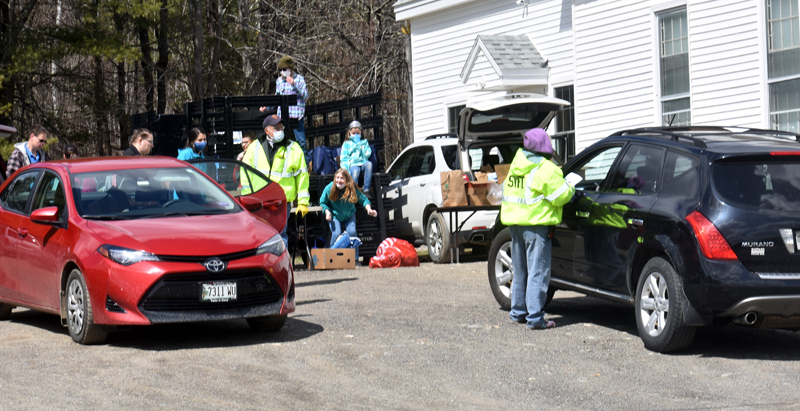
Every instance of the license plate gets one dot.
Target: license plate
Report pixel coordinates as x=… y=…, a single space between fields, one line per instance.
x=218 y=292
x=366 y=238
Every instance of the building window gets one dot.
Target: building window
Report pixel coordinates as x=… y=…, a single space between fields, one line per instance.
x=783 y=57
x=564 y=138
x=676 y=108
x=452 y=118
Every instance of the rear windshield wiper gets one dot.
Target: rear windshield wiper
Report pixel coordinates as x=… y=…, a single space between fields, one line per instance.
x=105 y=217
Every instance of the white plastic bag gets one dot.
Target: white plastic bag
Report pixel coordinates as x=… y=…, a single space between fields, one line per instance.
x=495 y=195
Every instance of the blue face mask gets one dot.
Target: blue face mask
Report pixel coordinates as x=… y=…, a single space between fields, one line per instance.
x=200 y=146
x=356 y=137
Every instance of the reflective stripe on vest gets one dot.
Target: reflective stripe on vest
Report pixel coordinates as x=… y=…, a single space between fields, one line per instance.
x=561 y=190
x=525 y=201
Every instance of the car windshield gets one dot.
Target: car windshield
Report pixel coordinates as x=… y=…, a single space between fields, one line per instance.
x=767 y=185
x=148 y=193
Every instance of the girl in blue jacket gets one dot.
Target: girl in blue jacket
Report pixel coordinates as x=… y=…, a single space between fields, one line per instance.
x=195 y=144
x=355 y=155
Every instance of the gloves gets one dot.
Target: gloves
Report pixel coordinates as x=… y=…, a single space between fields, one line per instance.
x=302 y=210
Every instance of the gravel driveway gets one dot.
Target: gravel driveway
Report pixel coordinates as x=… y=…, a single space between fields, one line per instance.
x=429 y=337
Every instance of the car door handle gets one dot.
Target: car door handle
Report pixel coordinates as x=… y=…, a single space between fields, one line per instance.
x=22 y=232
x=635 y=222
x=582 y=214
x=272 y=204
x=422 y=184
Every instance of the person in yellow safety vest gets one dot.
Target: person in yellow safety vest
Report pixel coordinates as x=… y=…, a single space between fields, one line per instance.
x=533 y=194
x=281 y=160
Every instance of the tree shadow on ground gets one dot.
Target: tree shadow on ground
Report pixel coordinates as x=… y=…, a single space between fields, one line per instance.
x=723 y=341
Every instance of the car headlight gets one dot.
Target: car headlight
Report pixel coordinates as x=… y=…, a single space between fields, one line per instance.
x=125 y=256
x=274 y=246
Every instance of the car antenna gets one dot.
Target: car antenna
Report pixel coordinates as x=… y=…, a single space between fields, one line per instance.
x=671 y=120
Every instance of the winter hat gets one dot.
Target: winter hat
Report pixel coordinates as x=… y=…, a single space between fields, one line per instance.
x=537 y=141
x=286 y=62
x=354 y=124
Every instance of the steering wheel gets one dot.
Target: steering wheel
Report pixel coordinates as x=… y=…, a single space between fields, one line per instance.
x=171 y=202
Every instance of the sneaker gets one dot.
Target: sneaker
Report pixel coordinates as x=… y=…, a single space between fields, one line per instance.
x=543 y=326
x=519 y=321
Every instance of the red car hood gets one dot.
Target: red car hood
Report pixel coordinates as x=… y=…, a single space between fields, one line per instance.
x=186 y=236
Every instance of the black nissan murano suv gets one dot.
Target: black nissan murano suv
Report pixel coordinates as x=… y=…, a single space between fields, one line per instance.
x=693 y=226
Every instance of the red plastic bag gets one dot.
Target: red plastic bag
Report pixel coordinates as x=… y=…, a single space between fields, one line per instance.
x=394 y=252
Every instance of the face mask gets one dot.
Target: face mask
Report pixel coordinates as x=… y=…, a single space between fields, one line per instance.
x=277 y=136
x=200 y=146
x=285 y=73
x=340 y=187
x=356 y=137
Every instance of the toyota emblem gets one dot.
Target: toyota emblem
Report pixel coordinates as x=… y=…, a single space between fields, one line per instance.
x=215 y=265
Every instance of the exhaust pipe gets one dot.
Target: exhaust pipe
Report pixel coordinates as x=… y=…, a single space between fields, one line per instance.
x=746 y=319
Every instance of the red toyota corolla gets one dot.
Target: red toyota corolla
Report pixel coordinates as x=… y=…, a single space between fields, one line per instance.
x=108 y=242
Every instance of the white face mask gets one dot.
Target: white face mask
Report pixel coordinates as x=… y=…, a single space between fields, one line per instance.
x=286 y=73
x=340 y=187
x=277 y=136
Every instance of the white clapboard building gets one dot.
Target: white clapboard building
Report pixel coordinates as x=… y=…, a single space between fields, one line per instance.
x=623 y=64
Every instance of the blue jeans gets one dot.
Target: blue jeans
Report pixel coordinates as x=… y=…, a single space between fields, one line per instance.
x=349 y=226
x=530 y=253
x=300 y=137
x=283 y=233
x=355 y=171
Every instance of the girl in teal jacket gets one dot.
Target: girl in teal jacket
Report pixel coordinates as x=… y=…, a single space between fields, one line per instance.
x=355 y=155
x=195 y=144
x=339 y=201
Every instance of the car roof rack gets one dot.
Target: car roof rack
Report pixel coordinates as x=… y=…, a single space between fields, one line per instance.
x=666 y=133
x=445 y=135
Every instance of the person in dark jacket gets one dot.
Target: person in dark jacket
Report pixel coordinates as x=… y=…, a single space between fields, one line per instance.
x=141 y=143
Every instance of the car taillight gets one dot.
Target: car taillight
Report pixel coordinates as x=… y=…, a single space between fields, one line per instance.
x=784 y=153
x=712 y=243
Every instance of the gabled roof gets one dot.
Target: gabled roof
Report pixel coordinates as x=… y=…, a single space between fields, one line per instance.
x=515 y=60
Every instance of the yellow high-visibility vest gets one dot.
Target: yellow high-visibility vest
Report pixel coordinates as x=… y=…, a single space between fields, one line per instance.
x=533 y=194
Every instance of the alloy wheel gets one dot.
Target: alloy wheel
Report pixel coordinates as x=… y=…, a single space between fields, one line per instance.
x=504 y=269
x=654 y=306
x=435 y=238
x=76 y=306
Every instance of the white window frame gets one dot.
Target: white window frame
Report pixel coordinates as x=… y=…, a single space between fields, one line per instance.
x=447 y=106
x=764 y=14
x=655 y=13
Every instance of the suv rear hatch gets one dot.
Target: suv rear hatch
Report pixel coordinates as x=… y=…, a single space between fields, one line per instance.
x=510 y=116
x=762 y=222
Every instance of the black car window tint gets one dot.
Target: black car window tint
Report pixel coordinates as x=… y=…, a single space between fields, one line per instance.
x=639 y=171
x=424 y=162
x=594 y=168
x=17 y=193
x=50 y=193
x=677 y=165
x=450 y=154
x=399 y=169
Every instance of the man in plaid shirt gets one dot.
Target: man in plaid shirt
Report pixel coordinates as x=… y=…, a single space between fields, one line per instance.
x=291 y=83
x=29 y=152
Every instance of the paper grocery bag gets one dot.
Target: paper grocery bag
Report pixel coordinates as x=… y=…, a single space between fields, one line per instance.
x=502 y=172
x=453 y=192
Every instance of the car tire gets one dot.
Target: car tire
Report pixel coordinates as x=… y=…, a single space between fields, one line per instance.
x=5 y=311
x=437 y=237
x=501 y=269
x=269 y=324
x=500 y=262
x=80 y=321
x=660 y=304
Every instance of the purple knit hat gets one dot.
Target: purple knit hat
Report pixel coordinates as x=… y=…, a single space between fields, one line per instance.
x=537 y=141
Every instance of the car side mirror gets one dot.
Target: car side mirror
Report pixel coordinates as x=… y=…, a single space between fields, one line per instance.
x=251 y=203
x=47 y=216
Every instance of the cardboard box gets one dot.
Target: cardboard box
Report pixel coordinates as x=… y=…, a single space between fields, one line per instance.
x=487 y=169
x=477 y=191
x=502 y=172
x=333 y=258
x=481 y=176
